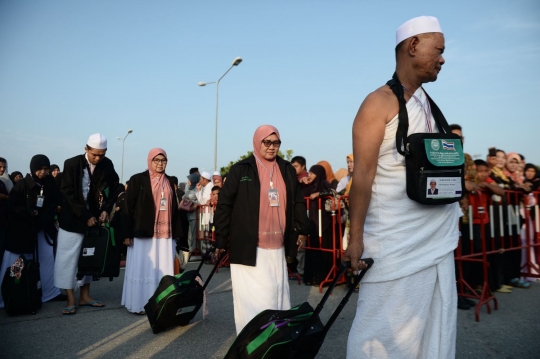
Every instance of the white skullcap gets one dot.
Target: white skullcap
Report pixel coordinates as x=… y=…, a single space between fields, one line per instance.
x=206 y=175
x=418 y=25
x=216 y=173
x=97 y=141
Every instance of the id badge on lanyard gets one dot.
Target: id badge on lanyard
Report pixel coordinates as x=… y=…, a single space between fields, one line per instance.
x=163 y=202
x=40 y=199
x=273 y=196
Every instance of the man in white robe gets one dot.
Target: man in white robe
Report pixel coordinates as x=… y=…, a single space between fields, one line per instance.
x=407 y=302
x=204 y=194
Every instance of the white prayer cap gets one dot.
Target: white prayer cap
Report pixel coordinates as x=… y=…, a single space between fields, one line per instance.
x=418 y=25
x=216 y=173
x=97 y=141
x=206 y=175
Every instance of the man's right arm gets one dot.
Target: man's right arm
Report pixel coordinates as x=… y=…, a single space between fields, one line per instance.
x=368 y=133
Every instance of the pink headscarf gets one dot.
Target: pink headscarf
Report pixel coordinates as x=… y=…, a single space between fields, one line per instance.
x=517 y=176
x=160 y=186
x=272 y=220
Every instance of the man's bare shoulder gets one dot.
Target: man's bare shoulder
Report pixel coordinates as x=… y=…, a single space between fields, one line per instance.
x=383 y=102
x=382 y=96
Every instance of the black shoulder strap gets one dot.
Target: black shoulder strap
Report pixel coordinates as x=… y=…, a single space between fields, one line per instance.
x=403 y=126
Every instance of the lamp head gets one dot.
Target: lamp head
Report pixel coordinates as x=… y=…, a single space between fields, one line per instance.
x=130 y=130
x=237 y=61
x=118 y=138
x=202 y=84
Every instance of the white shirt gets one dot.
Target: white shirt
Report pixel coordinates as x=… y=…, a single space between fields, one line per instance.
x=205 y=193
x=343 y=183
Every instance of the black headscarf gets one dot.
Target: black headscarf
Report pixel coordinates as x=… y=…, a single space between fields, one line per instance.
x=15 y=174
x=320 y=184
x=527 y=166
x=36 y=163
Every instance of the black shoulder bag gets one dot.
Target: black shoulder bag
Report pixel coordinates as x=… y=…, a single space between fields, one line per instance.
x=434 y=162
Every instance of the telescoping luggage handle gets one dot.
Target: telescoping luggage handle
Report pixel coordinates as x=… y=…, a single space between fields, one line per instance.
x=206 y=255
x=342 y=268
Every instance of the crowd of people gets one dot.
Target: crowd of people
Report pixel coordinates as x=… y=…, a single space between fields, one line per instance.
x=488 y=182
x=73 y=203
x=48 y=212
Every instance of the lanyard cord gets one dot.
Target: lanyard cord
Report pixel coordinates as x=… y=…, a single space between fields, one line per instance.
x=271 y=173
x=427 y=112
x=162 y=186
x=41 y=188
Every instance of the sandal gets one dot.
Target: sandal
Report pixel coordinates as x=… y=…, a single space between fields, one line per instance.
x=518 y=283
x=69 y=310
x=93 y=304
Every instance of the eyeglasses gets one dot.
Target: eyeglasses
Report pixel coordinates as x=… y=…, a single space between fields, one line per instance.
x=158 y=161
x=268 y=143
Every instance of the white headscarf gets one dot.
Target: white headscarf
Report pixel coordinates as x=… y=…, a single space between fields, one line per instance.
x=5 y=178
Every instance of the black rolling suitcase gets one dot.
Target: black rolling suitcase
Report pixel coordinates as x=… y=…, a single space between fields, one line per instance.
x=21 y=288
x=294 y=333
x=177 y=299
x=99 y=257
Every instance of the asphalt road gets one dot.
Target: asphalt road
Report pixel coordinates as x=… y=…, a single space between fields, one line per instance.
x=112 y=332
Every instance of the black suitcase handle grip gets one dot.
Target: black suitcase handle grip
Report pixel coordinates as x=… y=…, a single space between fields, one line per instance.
x=347 y=264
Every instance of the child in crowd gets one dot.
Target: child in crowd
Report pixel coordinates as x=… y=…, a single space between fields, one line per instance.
x=531 y=176
x=214 y=195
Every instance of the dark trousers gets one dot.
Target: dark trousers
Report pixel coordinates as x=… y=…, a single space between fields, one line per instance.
x=318 y=264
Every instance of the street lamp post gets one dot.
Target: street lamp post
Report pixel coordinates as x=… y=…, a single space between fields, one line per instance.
x=235 y=62
x=123 y=141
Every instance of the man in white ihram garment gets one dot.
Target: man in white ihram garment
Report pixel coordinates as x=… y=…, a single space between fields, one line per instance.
x=407 y=301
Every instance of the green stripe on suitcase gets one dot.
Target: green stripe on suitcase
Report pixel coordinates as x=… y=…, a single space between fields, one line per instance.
x=168 y=291
x=262 y=338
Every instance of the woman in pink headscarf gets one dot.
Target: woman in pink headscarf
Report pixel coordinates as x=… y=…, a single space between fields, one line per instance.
x=261 y=218
x=152 y=224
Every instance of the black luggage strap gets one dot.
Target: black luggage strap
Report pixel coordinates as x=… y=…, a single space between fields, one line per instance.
x=342 y=268
x=403 y=126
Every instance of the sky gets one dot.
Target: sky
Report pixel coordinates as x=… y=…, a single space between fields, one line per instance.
x=69 y=69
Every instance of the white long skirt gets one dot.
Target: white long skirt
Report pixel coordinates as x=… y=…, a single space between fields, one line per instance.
x=68 y=249
x=265 y=286
x=46 y=268
x=147 y=261
x=410 y=317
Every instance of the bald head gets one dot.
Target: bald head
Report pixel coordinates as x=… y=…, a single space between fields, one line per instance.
x=421 y=56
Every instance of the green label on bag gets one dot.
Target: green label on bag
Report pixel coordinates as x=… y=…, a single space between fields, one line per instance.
x=442 y=152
